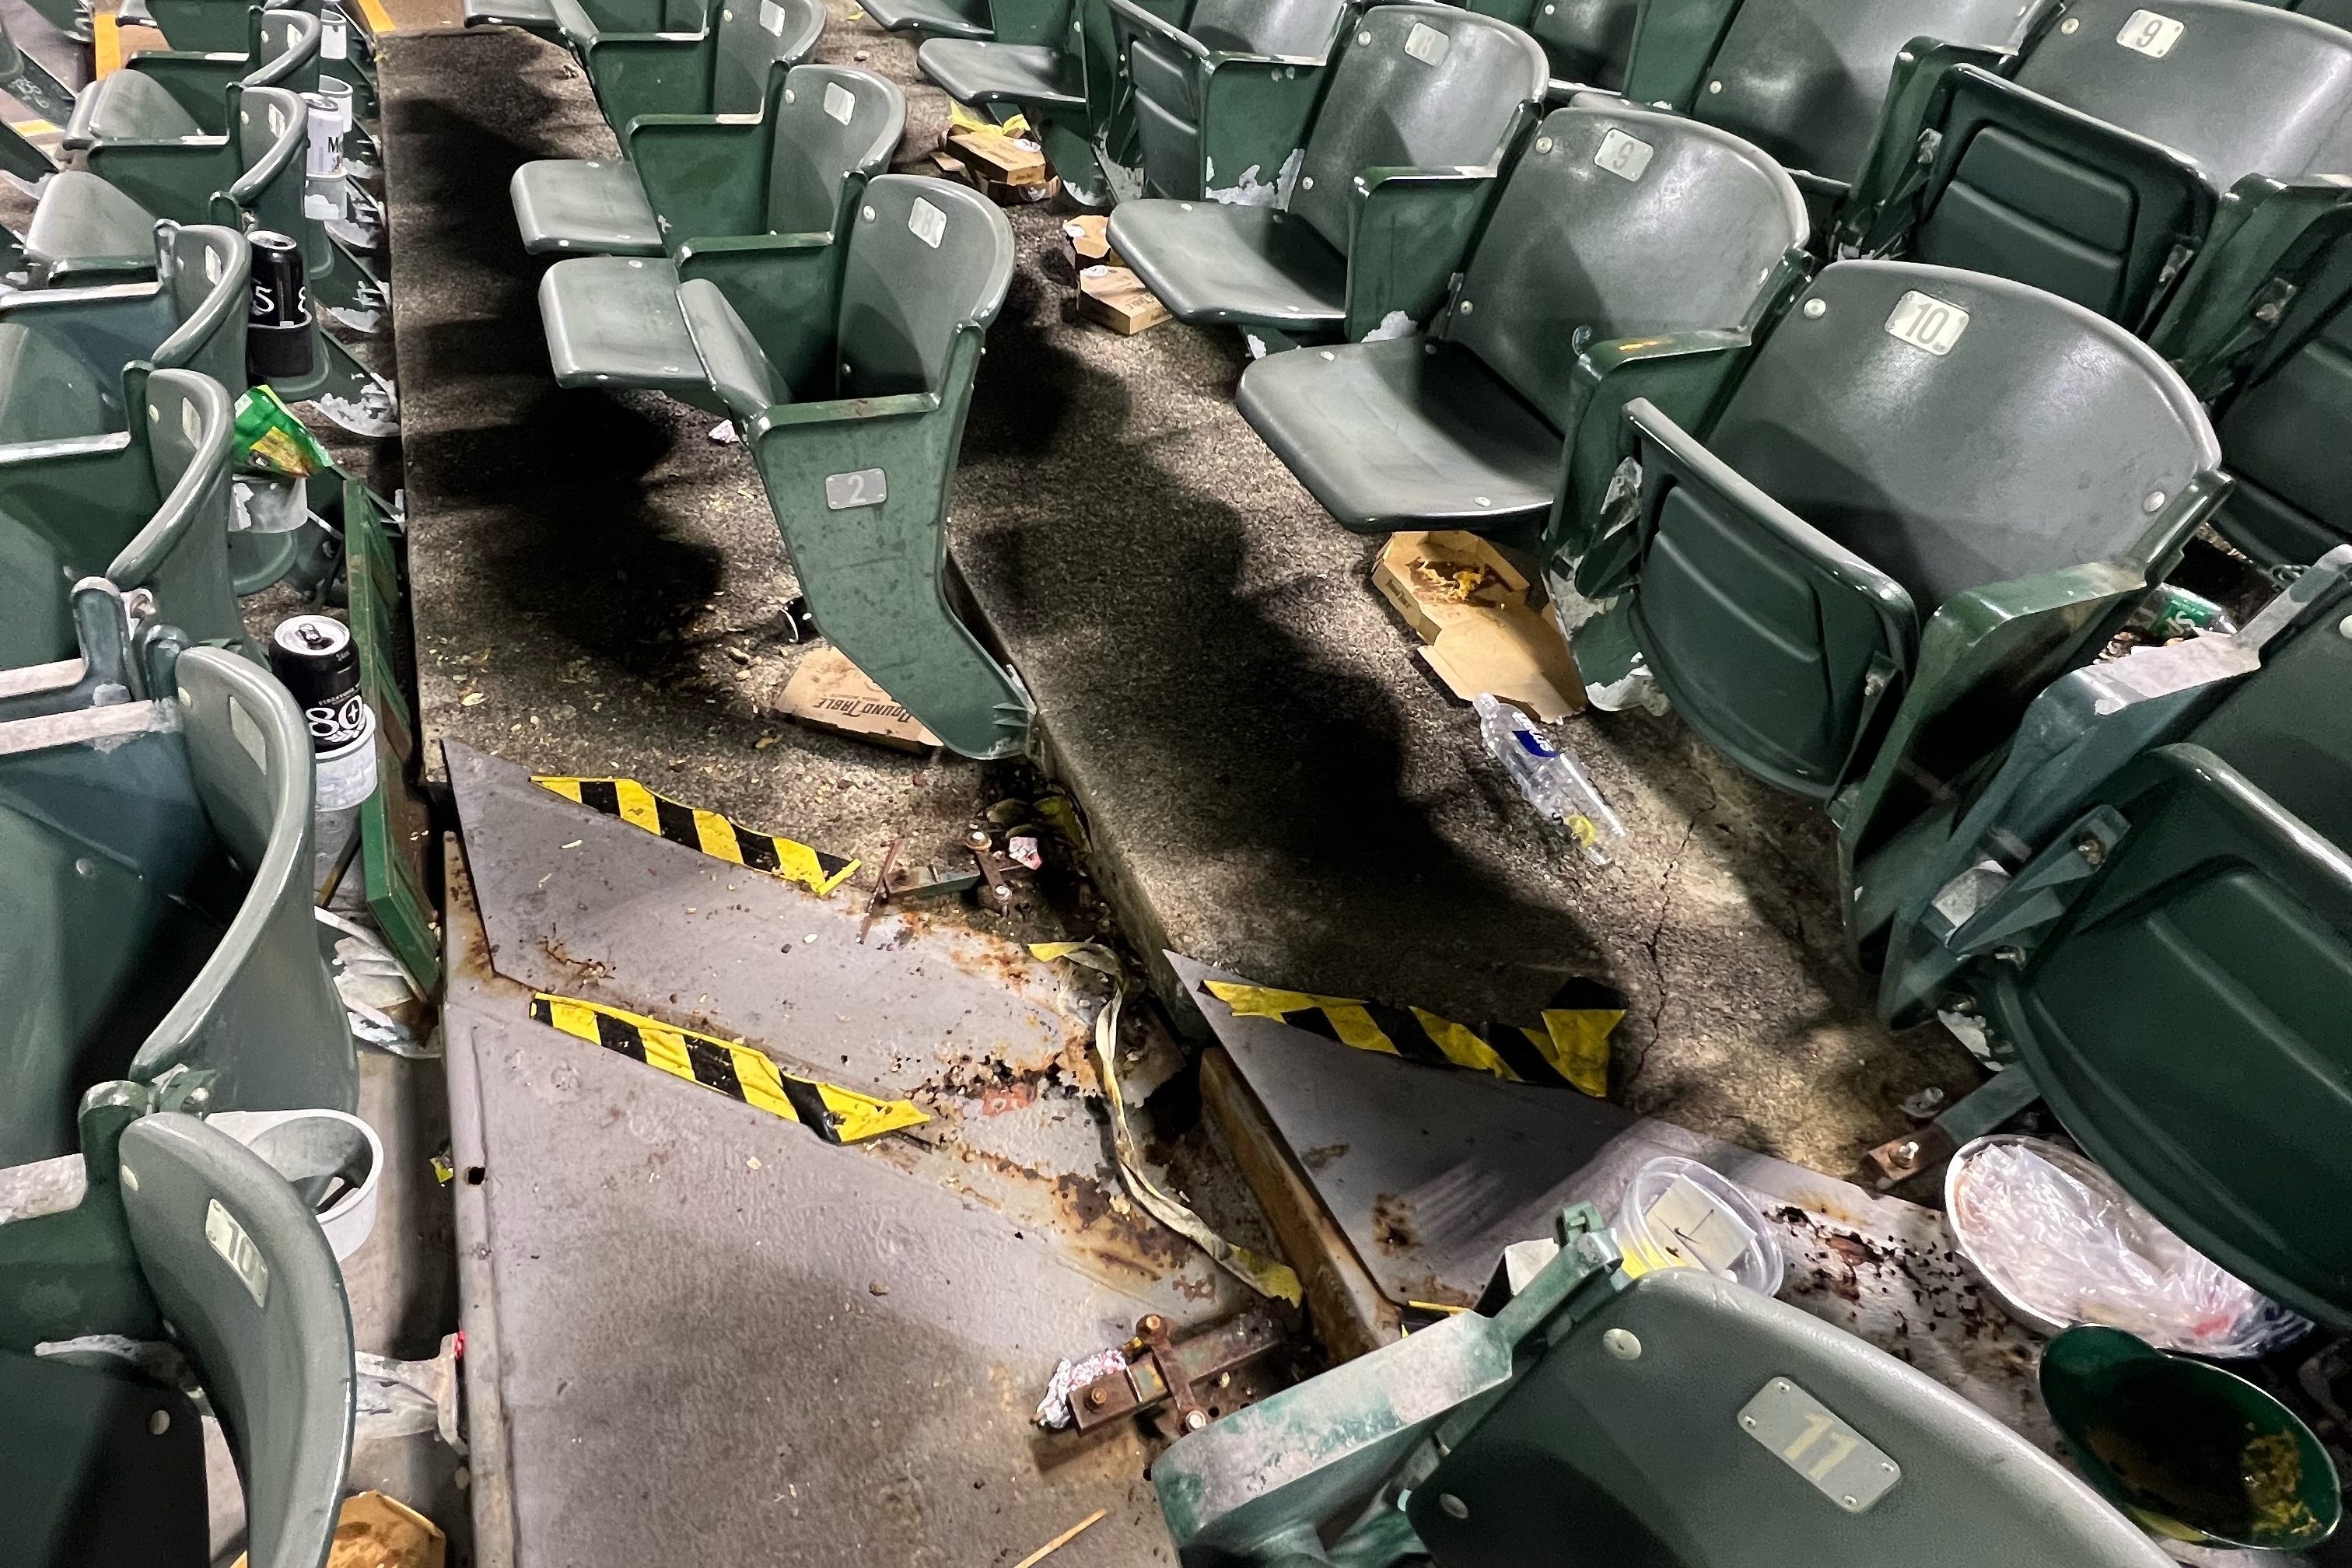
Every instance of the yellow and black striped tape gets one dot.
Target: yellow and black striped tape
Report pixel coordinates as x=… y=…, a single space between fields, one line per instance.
x=835 y=1114
x=719 y=836
x=1569 y=1047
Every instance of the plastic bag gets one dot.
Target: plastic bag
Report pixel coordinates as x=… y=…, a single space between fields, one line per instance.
x=2047 y=1232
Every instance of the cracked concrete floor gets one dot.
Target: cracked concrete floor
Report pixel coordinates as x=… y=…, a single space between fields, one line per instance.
x=1276 y=784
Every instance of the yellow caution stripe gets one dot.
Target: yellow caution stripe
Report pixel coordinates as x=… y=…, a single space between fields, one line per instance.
x=835 y=1114
x=1569 y=1046
x=721 y=837
x=378 y=19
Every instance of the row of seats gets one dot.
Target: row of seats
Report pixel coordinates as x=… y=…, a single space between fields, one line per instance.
x=156 y=831
x=2097 y=150
x=764 y=267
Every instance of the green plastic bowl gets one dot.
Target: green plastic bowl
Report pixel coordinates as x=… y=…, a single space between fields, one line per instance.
x=2191 y=1451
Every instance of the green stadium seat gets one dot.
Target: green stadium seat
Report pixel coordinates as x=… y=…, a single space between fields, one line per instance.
x=1811 y=82
x=1677 y=1421
x=821 y=132
x=159 y=95
x=848 y=371
x=1927 y=496
x=158 y=912
x=1617 y=223
x=1424 y=103
x=1227 y=94
x=2098 y=171
x=146 y=508
x=178 y=1231
x=698 y=65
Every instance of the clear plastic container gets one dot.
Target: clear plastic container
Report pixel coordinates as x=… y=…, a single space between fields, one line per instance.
x=1677 y=1214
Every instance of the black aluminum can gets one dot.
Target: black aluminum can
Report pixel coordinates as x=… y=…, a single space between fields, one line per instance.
x=278 y=345
x=279 y=296
x=314 y=657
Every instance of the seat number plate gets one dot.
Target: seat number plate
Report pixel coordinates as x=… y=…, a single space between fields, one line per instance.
x=1926 y=322
x=771 y=17
x=1622 y=155
x=840 y=102
x=1426 y=44
x=2151 y=34
x=927 y=222
x=229 y=1239
x=1805 y=1435
x=866 y=487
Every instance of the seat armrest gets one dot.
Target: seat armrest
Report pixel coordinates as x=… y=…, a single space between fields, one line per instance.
x=1915 y=99
x=1681 y=373
x=786 y=287
x=702 y=174
x=1986 y=654
x=1408 y=231
x=2239 y=292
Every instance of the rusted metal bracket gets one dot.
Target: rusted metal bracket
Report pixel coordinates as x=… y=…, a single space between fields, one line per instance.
x=1160 y=1371
x=1972 y=1115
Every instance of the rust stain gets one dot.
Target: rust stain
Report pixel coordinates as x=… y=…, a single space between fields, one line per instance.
x=581 y=968
x=1316 y=1158
x=1392 y=1225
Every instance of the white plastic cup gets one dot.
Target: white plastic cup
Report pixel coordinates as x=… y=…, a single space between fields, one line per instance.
x=1678 y=1213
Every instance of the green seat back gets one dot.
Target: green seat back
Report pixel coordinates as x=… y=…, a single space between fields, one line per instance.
x=1806 y=80
x=1298 y=28
x=1422 y=87
x=932 y=260
x=48 y=392
x=2240 y=89
x=133 y=106
x=834 y=124
x=1031 y=22
x=158 y=914
x=2189 y=1017
x=2287 y=432
x=1855 y=480
x=1616 y=223
x=752 y=35
x=149 y=509
x=2288 y=729
x=1587 y=41
x=88 y=1477
x=1630 y=1442
x=244 y=1275
x=2123 y=126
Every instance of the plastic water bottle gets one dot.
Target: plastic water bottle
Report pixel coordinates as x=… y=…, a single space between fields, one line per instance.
x=1553 y=780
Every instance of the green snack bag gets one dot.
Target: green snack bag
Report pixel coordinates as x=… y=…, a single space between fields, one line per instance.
x=270 y=440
